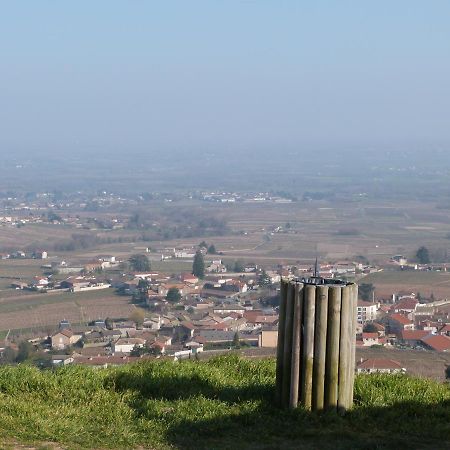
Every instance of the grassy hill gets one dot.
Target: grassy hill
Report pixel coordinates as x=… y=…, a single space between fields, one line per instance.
x=222 y=403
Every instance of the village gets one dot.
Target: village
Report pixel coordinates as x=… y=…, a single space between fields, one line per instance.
x=213 y=308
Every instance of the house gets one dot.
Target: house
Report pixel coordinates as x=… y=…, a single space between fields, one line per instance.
x=379 y=365
x=185 y=330
x=369 y=339
x=226 y=309
x=62 y=360
x=158 y=347
x=64 y=338
x=406 y=306
x=438 y=343
x=216 y=267
x=268 y=338
x=400 y=260
x=413 y=337
x=188 y=278
x=445 y=330
x=126 y=345
x=39 y=254
x=225 y=337
x=194 y=346
x=39 y=283
x=397 y=323
x=74 y=283
x=366 y=311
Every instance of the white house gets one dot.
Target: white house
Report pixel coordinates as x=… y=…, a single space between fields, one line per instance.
x=126 y=345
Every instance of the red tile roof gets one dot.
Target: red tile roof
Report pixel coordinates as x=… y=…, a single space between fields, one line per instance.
x=414 y=335
x=370 y=335
x=437 y=342
x=401 y=319
x=407 y=304
x=379 y=363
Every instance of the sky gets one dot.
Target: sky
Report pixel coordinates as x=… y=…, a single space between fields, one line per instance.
x=135 y=75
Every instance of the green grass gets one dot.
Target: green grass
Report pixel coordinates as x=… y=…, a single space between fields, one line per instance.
x=222 y=403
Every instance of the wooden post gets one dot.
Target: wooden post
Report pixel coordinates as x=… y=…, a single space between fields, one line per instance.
x=332 y=355
x=308 y=345
x=287 y=350
x=353 y=320
x=320 y=344
x=316 y=345
x=345 y=349
x=280 y=342
x=296 y=336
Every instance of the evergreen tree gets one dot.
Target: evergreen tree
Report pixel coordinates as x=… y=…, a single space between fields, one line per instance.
x=423 y=255
x=198 y=267
x=212 y=249
x=139 y=263
x=238 y=266
x=366 y=291
x=173 y=295
x=236 y=341
x=264 y=279
x=109 y=324
x=26 y=349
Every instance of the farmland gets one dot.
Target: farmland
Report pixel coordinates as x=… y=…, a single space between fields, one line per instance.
x=41 y=310
x=267 y=234
x=427 y=283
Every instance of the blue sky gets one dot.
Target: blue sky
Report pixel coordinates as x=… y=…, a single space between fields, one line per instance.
x=140 y=75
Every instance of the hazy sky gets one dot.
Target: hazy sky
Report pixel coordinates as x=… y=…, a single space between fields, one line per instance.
x=152 y=74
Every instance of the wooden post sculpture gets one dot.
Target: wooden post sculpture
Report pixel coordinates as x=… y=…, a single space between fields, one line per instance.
x=316 y=344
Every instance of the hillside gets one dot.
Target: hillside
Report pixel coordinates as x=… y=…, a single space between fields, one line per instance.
x=221 y=403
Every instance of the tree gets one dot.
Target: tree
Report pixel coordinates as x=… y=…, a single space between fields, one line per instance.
x=423 y=255
x=138 y=317
x=198 y=267
x=264 y=279
x=447 y=373
x=366 y=291
x=173 y=295
x=370 y=328
x=139 y=263
x=238 y=266
x=143 y=286
x=26 y=349
x=203 y=244
x=109 y=324
x=9 y=356
x=212 y=249
x=236 y=341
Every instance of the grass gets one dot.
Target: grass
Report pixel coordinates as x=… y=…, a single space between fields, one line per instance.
x=222 y=403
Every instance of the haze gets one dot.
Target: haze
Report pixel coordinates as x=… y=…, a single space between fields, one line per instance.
x=150 y=76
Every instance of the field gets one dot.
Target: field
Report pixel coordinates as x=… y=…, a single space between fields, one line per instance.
x=375 y=230
x=427 y=283
x=222 y=403
x=42 y=310
x=331 y=229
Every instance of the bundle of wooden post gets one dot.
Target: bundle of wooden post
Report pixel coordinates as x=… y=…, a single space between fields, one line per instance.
x=316 y=344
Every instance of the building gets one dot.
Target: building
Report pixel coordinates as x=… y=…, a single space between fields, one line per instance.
x=268 y=338
x=437 y=343
x=366 y=312
x=126 y=345
x=397 y=323
x=64 y=338
x=379 y=365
